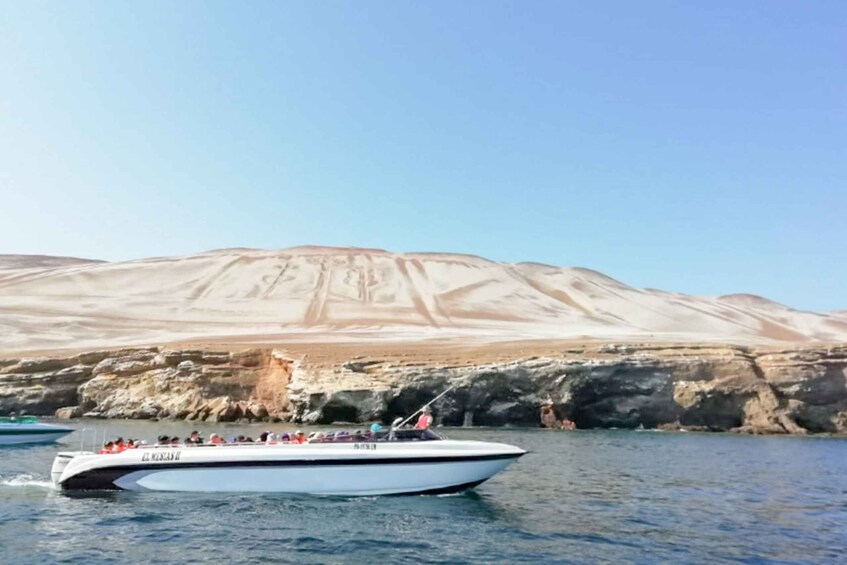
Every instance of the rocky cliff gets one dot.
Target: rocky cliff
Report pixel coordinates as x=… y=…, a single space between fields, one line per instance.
x=758 y=390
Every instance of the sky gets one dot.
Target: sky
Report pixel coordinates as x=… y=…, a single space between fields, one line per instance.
x=697 y=147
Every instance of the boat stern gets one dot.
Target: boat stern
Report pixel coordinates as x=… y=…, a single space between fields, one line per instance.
x=60 y=463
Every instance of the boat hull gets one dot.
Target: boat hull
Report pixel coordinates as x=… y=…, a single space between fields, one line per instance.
x=330 y=472
x=18 y=434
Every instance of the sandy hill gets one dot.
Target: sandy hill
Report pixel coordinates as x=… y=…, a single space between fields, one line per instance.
x=342 y=294
x=40 y=261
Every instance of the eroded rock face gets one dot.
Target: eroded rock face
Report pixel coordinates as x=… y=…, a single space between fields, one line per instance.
x=150 y=383
x=671 y=387
x=813 y=385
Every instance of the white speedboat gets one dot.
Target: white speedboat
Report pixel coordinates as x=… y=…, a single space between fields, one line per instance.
x=406 y=462
x=27 y=429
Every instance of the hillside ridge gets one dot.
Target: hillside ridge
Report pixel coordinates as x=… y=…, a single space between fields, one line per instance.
x=322 y=293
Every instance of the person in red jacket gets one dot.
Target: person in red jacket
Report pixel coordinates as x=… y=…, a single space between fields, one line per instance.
x=425 y=420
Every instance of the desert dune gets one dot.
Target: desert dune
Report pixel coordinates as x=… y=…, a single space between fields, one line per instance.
x=347 y=294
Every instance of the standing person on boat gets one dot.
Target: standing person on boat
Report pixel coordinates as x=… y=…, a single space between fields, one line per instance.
x=425 y=420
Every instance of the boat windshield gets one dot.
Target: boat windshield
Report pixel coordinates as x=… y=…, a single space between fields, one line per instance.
x=406 y=435
x=380 y=436
x=18 y=420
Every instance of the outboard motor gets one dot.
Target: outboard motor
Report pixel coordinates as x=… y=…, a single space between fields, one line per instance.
x=61 y=461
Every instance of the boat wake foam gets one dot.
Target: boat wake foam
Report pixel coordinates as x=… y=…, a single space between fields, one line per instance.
x=26 y=481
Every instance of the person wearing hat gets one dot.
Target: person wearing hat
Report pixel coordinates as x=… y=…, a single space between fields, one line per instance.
x=299 y=437
x=425 y=420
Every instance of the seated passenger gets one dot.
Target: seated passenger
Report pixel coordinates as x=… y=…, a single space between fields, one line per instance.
x=216 y=439
x=299 y=436
x=174 y=442
x=163 y=440
x=119 y=445
x=285 y=438
x=264 y=437
x=194 y=439
x=425 y=420
x=107 y=448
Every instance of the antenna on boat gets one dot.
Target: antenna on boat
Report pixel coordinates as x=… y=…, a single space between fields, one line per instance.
x=419 y=410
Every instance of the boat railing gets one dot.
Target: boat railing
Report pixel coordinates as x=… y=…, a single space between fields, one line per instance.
x=97 y=438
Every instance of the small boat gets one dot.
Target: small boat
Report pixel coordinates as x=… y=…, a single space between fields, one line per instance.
x=27 y=429
x=402 y=461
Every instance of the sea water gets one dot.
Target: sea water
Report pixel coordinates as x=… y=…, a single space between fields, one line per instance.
x=579 y=497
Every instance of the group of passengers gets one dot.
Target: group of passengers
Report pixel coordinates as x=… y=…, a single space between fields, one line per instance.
x=120 y=445
x=267 y=437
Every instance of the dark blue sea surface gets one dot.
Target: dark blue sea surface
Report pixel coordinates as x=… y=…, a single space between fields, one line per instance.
x=580 y=497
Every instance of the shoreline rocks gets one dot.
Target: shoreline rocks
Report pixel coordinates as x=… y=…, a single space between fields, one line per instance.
x=708 y=387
